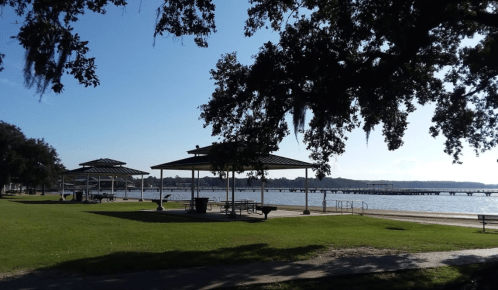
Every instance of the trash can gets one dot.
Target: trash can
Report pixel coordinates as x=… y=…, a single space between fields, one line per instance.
x=201 y=204
x=79 y=196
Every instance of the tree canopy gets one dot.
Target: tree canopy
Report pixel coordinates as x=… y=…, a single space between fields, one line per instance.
x=26 y=160
x=359 y=64
x=350 y=64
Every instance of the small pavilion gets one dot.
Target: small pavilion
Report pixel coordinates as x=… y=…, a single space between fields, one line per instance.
x=201 y=161
x=105 y=167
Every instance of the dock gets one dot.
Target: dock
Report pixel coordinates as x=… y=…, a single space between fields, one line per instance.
x=369 y=190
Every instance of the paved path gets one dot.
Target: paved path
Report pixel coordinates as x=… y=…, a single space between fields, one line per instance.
x=223 y=276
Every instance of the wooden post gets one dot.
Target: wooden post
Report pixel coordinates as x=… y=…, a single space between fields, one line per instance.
x=193 y=190
x=228 y=183
x=306 y=211
x=233 y=213
x=198 y=184
x=161 y=193
x=126 y=188
x=262 y=193
x=87 y=186
x=324 y=204
x=62 y=196
x=142 y=190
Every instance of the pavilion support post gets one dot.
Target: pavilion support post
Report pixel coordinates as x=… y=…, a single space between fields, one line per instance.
x=228 y=183
x=142 y=190
x=198 y=184
x=62 y=195
x=233 y=214
x=87 y=186
x=126 y=188
x=99 y=185
x=161 y=192
x=74 y=188
x=306 y=211
x=112 y=185
x=324 y=203
x=193 y=190
x=262 y=192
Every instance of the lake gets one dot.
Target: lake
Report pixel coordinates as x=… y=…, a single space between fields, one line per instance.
x=459 y=203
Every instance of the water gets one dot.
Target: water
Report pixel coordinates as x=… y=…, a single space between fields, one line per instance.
x=459 y=203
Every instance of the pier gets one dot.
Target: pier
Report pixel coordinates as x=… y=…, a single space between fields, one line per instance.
x=369 y=190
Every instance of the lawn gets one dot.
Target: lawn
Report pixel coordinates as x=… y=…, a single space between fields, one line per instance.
x=40 y=232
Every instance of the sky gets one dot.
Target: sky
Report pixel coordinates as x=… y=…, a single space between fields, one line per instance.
x=146 y=110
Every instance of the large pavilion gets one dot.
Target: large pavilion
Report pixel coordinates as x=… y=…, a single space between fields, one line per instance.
x=201 y=161
x=105 y=167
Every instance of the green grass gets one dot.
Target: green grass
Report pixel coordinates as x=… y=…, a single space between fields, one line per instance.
x=39 y=232
x=468 y=277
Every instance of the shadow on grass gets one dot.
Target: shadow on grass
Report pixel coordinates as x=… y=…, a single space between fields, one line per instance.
x=488 y=232
x=148 y=216
x=7 y=196
x=227 y=267
x=66 y=202
x=121 y=262
x=161 y=217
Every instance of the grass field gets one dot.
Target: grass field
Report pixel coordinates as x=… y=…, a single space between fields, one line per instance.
x=39 y=232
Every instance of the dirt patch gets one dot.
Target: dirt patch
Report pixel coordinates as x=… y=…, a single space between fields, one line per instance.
x=334 y=253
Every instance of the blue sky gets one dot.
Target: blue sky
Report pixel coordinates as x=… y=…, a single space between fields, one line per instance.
x=145 y=112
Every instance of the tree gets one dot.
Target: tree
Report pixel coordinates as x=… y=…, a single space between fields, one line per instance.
x=41 y=164
x=54 y=48
x=361 y=63
x=348 y=63
x=11 y=162
x=29 y=161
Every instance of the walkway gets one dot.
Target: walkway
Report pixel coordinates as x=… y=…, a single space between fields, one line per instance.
x=268 y=272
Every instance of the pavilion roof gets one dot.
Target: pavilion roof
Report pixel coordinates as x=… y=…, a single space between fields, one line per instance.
x=104 y=166
x=203 y=162
x=103 y=162
x=200 y=150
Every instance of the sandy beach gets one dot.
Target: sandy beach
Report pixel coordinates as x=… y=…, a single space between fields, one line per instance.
x=451 y=219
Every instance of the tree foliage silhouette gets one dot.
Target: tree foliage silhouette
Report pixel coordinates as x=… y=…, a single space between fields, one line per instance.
x=27 y=161
x=359 y=64
x=349 y=64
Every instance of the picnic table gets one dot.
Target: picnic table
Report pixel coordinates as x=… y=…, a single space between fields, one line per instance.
x=247 y=205
x=100 y=197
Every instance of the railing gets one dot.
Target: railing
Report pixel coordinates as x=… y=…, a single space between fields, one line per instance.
x=345 y=205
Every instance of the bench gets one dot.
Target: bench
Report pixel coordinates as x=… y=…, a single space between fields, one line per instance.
x=65 y=195
x=487 y=219
x=266 y=209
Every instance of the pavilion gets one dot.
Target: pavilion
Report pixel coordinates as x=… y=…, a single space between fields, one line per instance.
x=201 y=161
x=105 y=167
